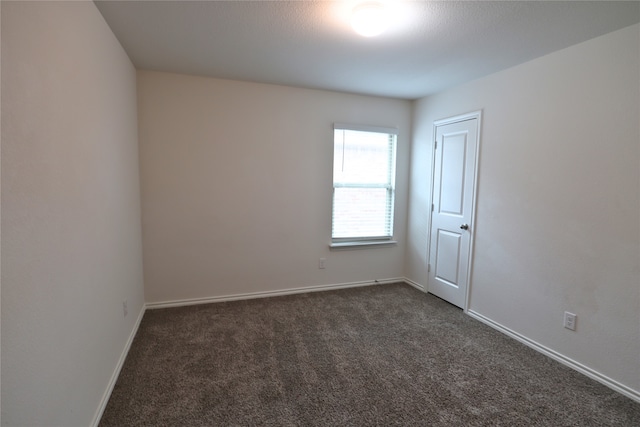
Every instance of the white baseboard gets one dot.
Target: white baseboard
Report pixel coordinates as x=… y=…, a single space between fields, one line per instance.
x=603 y=379
x=116 y=372
x=416 y=285
x=266 y=294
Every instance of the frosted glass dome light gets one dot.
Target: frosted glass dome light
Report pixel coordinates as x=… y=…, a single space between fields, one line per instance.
x=368 y=19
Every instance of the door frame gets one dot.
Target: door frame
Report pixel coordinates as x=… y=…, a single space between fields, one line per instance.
x=442 y=122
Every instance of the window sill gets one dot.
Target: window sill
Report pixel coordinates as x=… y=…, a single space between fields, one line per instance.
x=363 y=244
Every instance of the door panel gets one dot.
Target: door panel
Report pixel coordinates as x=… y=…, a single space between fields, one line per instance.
x=447 y=255
x=452 y=159
x=452 y=214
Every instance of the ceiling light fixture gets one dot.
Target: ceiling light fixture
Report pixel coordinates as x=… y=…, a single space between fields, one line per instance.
x=368 y=19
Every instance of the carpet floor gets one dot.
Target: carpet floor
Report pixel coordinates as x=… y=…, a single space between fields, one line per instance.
x=372 y=356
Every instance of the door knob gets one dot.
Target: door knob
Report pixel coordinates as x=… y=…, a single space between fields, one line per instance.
x=464 y=226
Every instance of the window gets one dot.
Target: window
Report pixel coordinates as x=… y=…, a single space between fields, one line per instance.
x=363 y=184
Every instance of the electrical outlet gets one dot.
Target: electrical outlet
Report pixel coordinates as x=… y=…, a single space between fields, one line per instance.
x=322 y=263
x=125 y=309
x=570 y=320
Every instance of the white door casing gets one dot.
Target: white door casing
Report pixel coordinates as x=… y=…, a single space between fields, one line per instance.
x=452 y=216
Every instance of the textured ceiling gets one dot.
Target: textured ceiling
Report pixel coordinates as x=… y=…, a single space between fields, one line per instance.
x=430 y=46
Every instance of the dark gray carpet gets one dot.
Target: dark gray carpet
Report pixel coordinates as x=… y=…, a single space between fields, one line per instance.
x=380 y=355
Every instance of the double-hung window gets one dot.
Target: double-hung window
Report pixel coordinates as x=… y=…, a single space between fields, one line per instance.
x=364 y=160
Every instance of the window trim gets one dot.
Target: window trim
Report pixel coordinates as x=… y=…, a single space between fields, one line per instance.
x=368 y=241
x=366 y=128
x=362 y=244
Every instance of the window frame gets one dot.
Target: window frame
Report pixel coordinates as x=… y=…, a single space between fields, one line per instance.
x=346 y=242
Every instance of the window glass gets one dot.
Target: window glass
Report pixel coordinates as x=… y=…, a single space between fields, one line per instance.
x=363 y=184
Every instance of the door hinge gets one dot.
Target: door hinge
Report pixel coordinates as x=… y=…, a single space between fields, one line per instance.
x=428 y=268
x=435 y=144
x=432 y=207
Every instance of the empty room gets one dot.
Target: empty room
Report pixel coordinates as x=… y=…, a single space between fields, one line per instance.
x=346 y=212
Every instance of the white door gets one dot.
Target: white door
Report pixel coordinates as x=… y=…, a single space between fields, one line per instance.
x=455 y=154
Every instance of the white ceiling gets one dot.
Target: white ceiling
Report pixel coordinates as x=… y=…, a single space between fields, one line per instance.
x=430 y=46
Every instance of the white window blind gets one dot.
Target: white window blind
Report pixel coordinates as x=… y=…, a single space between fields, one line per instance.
x=363 y=183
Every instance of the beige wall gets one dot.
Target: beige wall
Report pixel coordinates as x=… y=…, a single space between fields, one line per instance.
x=558 y=209
x=236 y=185
x=71 y=236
